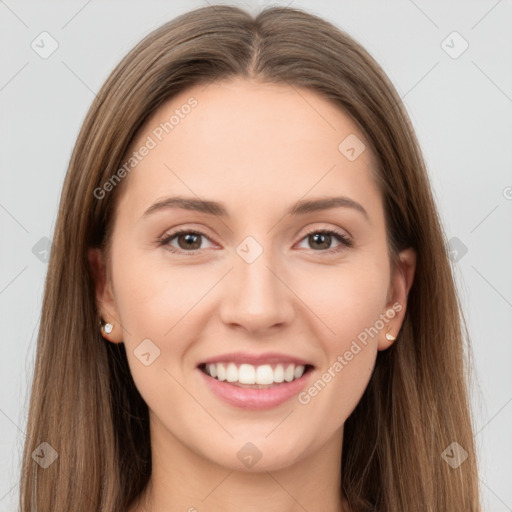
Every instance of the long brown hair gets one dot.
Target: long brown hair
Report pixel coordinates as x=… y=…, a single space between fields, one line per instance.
x=84 y=403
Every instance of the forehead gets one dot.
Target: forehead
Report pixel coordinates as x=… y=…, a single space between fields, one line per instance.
x=243 y=138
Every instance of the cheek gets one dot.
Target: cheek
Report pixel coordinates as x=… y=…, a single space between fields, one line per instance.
x=348 y=299
x=156 y=303
x=153 y=296
x=159 y=305
x=351 y=304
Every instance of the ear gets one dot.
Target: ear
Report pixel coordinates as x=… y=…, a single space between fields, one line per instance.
x=401 y=282
x=104 y=296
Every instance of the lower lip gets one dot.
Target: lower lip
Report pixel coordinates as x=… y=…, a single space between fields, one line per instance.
x=248 y=398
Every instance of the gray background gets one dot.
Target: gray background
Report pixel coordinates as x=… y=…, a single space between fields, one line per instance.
x=461 y=109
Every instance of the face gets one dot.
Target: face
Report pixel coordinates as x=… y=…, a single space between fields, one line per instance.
x=266 y=286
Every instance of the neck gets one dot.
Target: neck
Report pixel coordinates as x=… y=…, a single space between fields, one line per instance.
x=183 y=480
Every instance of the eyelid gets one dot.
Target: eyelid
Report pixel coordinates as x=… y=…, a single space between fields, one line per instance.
x=329 y=226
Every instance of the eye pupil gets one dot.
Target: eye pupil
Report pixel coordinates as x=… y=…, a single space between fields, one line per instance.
x=190 y=238
x=319 y=237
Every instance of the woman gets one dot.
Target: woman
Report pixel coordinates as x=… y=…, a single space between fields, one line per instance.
x=249 y=303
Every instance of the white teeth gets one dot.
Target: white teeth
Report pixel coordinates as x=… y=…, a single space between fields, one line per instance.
x=289 y=373
x=221 y=371
x=250 y=374
x=232 y=372
x=246 y=374
x=264 y=374
x=279 y=373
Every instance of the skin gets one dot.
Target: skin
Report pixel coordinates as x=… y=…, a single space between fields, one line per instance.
x=257 y=148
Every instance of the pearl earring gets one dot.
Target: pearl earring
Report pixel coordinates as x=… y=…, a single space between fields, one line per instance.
x=107 y=328
x=390 y=337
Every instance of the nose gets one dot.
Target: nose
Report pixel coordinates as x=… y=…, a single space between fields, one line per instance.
x=256 y=297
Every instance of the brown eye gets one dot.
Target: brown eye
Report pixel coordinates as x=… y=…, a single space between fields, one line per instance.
x=187 y=241
x=322 y=240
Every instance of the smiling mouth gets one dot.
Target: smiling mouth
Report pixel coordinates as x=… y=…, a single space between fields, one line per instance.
x=255 y=376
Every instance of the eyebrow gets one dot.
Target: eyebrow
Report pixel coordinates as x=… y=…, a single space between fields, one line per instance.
x=214 y=208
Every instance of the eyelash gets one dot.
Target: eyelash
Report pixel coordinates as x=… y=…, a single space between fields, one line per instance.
x=345 y=241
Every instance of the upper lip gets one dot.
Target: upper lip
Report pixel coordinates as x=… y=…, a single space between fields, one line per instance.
x=256 y=359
